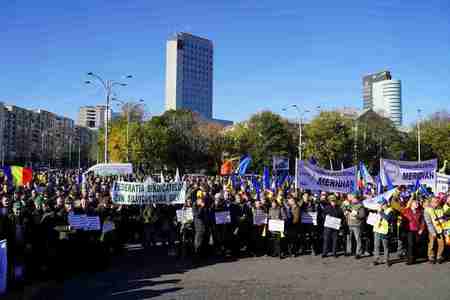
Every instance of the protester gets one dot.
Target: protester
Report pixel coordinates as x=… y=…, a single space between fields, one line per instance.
x=434 y=217
x=382 y=230
x=414 y=226
x=330 y=235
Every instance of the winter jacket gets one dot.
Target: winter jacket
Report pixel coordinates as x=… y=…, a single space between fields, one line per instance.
x=355 y=214
x=413 y=221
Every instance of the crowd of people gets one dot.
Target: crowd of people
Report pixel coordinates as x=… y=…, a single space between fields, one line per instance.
x=35 y=221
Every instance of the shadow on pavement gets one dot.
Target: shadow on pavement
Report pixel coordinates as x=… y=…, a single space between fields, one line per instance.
x=135 y=275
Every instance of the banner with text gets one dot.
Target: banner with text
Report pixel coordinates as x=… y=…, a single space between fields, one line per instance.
x=280 y=163
x=442 y=183
x=407 y=172
x=143 y=193
x=113 y=169
x=312 y=177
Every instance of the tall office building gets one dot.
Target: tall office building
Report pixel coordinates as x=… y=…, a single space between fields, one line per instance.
x=368 y=82
x=93 y=116
x=387 y=100
x=189 y=74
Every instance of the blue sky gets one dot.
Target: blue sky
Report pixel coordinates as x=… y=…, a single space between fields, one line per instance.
x=268 y=54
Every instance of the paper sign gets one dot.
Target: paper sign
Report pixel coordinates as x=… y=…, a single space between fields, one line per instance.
x=373 y=219
x=92 y=223
x=332 y=222
x=260 y=219
x=108 y=226
x=309 y=218
x=185 y=215
x=276 y=225
x=223 y=217
x=78 y=222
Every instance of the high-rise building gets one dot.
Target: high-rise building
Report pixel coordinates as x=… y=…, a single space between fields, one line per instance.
x=368 y=81
x=93 y=116
x=189 y=74
x=387 y=100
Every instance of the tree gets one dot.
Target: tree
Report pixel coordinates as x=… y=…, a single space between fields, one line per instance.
x=264 y=135
x=329 y=139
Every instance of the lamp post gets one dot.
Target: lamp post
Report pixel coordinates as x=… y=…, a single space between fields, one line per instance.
x=128 y=105
x=108 y=85
x=300 y=114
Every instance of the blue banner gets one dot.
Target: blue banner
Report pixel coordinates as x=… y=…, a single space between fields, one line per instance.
x=312 y=177
x=408 y=172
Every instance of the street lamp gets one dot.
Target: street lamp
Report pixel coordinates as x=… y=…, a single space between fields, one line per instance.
x=108 y=86
x=300 y=114
x=128 y=105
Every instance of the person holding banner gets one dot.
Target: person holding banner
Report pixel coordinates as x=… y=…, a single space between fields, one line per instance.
x=330 y=234
x=381 y=230
x=275 y=213
x=259 y=226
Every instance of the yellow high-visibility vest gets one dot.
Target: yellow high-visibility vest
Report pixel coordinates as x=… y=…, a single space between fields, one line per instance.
x=435 y=215
x=382 y=226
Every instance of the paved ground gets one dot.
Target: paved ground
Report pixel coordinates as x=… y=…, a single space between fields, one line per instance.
x=143 y=276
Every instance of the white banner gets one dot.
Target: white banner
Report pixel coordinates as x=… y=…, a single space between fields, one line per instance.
x=312 y=177
x=332 y=222
x=407 y=172
x=442 y=183
x=140 y=193
x=112 y=169
x=276 y=225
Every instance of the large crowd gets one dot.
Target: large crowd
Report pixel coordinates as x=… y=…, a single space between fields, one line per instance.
x=35 y=221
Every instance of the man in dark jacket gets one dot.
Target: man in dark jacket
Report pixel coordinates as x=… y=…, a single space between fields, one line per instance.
x=201 y=216
x=334 y=211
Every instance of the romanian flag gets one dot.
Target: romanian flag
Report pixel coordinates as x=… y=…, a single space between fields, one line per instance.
x=18 y=175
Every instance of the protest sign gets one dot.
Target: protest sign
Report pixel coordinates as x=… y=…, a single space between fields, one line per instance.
x=408 y=172
x=312 y=177
x=77 y=222
x=332 y=222
x=276 y=225
x=3 y=267
x=108 y=226
x=280 y=163
x=143 y=193
x=92 y=223
x=260 y=219
x=185 y=215
x=442 y=183
x=373 y=218
x=113 y=169
x=309 y=218
x=223 y=217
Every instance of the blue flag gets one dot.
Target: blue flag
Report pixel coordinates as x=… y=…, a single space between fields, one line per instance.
x=3 y=267
x=243 y=164
x=379 y=185
x=312 y=160
x=417 y=185
x=266 y=178
x=256 y=186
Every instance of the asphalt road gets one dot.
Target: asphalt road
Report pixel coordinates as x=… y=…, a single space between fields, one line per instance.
x=140 y=275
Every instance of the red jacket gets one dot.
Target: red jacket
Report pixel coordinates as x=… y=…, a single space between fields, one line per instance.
x=413 y=221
